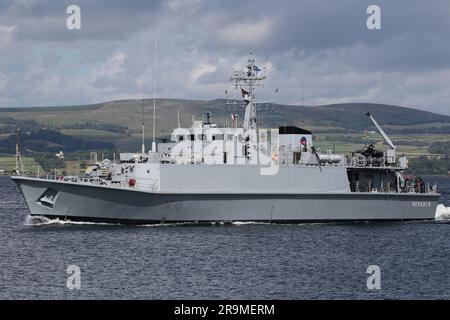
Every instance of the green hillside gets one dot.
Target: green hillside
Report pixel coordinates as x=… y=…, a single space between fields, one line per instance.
x=340 y=126
x=128 y=113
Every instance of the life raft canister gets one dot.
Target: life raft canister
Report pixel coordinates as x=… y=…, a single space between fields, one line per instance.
x=303 y=141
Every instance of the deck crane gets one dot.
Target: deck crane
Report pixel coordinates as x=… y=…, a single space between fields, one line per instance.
x=389 y=153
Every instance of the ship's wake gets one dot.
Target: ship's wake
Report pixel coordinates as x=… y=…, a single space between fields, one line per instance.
x=203 y=223
x=442 y=212
x=44 y=221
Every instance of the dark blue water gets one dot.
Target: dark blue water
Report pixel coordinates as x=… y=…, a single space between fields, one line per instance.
x=248 y=261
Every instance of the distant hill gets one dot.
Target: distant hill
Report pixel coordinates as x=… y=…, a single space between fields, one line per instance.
x=128 y=113
x=120 y=121
x=50 y=141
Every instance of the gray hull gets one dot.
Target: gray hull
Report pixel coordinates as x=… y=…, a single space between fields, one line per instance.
x=99 y=203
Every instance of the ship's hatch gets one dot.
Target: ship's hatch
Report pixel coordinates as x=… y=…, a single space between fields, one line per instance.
x=48 y=198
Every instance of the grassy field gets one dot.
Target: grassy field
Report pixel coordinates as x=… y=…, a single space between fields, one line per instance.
x=419 y=126
x=416 y=144
x=91 y=134
x=30 y=166
x=9 y=163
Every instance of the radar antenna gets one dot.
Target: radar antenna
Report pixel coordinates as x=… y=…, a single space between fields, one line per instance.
x=247 y=80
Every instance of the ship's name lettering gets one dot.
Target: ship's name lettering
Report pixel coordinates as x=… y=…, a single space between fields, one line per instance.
x=173 y=205
x=421 y=204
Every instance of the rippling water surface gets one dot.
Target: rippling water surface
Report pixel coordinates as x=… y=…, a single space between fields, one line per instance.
x=223 y=261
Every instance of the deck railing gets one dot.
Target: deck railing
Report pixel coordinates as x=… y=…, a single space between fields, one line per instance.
x=141 y=183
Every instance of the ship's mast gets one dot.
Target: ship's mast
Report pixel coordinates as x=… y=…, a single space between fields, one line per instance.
x=19 y=164
x=247 y=80
x=154 y=96
x=143 y=124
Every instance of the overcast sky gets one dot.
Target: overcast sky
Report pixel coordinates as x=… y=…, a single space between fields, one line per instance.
x=324 y=44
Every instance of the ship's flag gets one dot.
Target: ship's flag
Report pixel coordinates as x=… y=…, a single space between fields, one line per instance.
x=244 y=93
x=256 y=70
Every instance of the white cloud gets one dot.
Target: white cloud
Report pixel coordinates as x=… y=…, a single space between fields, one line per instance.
x=247 y=33
x=143 y=80
x=3 y=81
x=184 y=5
x=200 y=70
x=7 y=34
x=112 y=67
x=47 y=87
x=201 y=42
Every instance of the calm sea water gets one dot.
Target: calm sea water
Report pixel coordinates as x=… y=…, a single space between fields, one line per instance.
x=244 y=261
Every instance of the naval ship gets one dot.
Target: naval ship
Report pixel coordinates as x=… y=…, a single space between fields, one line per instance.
x=229 y=173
